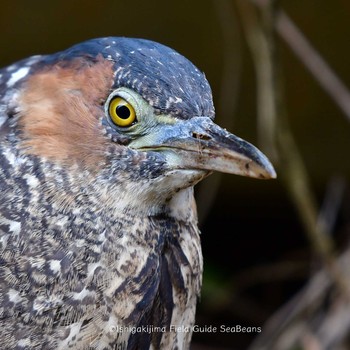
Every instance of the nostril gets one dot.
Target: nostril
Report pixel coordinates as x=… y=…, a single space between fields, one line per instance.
x=201 y=136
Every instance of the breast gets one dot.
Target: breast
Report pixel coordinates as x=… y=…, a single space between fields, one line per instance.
x=90 y=273
x=148 y=279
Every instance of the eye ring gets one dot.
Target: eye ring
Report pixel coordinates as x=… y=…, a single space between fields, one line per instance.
x=121 y=112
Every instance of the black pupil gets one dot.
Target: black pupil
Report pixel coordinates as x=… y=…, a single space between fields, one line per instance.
x=123 y=112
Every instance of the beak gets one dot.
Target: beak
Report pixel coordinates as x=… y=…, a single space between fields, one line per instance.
x=198 y=143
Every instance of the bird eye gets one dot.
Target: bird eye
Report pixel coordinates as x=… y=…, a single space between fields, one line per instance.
x=121 y=112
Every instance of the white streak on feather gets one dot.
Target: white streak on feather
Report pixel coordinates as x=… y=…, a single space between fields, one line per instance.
x=16 y=76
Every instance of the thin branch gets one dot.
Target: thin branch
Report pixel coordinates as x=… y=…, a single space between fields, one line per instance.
x=331 y=204
x=291 y=166
x=289 y=328
x=261 y=53
x=288 y=324
x=261 y=41
x=314 y=62
x=295 y=324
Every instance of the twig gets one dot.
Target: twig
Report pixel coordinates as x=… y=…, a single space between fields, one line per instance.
x=314 y=62
x=331 y=204
x=302 y=309
x=291 y=166
x=261 y=41
x=262 y=53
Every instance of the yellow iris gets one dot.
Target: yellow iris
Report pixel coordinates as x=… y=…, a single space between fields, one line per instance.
x=121 y=112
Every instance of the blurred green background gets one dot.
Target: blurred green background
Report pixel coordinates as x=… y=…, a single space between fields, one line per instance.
x=255 y=251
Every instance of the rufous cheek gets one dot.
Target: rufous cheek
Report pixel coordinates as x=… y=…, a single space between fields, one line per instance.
x=60 y=107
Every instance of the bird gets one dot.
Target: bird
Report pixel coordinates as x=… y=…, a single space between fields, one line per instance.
x=101 y=145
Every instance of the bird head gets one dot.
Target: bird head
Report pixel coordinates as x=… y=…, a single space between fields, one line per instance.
x=127 y=113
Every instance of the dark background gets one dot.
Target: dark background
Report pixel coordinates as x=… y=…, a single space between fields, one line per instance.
x=255 y=250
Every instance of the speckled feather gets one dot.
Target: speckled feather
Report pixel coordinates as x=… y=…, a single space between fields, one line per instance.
x=89 y=240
